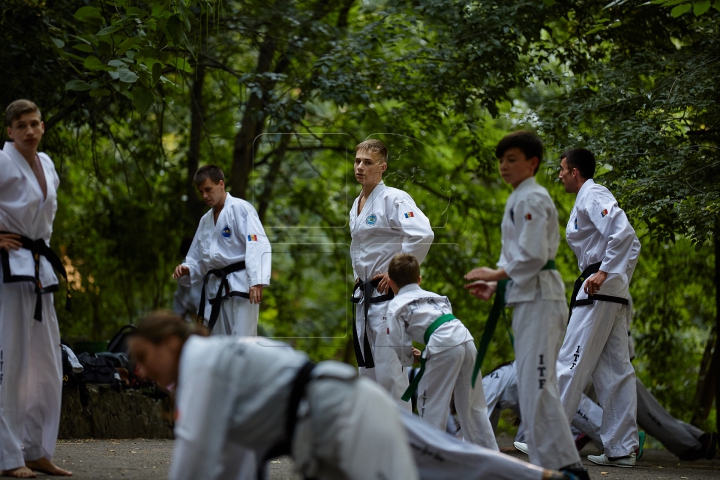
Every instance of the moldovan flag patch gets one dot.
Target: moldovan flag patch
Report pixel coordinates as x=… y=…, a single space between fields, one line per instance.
x=528 y=217
x=252 y=238
x=409 y=215
x=604 y=212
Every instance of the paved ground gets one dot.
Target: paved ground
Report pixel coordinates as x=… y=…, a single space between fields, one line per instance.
x=150 y=459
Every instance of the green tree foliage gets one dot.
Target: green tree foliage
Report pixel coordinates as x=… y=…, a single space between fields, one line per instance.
x=137 y=95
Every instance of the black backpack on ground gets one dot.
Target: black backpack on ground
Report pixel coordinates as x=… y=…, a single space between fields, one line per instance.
x=100 y=369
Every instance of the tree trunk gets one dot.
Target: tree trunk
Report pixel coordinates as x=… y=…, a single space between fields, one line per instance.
x=197 y=114
x=716 y=353
x=705 y=386
x=272 y=176
x=253 y=123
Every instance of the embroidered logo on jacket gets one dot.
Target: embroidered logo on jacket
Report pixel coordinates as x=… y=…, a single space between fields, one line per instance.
x=528 y=217
x=576 y=223
x=371 y=219
x=252 y=238
x=604 y=212
x=226 y=232
x=409 y=215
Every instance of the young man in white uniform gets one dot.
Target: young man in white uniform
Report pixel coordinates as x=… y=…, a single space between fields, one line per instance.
x=535 y=289
x=596 y=343
x=231 y=255
x=384 y=222
x=240 y=401
x=449 y=357
x=30 y=352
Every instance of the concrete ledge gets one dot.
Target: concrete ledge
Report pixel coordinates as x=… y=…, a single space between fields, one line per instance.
x=111 y=414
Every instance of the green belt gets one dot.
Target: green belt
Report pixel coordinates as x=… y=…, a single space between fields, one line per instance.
x=498 y=308
x=449 y=317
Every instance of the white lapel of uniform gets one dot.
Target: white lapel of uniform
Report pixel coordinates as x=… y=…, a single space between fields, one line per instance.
x=34 y=194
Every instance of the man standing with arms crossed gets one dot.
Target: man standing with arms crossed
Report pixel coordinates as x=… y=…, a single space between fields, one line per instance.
x=384 y=222
x=30 y=354
x=596 y=343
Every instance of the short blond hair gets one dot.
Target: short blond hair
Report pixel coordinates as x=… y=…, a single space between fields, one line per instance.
x=374 y=145
x=18 y=108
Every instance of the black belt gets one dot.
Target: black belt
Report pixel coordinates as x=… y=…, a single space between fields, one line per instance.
x=219 y=297
x=366 y=359
x=37 y=248
x=284 y=447
x=574 y=302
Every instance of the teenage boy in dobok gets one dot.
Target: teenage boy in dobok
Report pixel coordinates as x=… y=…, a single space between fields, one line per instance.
x=530 y=283
x=231 y=255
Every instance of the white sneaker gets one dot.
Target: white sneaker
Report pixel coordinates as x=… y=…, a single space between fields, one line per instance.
x=625 y=462
x=522 y=447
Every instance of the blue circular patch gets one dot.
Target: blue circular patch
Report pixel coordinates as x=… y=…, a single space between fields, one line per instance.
x=226 y=232
x=371 y=219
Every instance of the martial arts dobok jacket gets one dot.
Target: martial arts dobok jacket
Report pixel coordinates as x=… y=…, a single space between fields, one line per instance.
x=389 y=224
x=235 y=390
x=410 y=314
x=530 y=239
x=238 y=236
x=23 y=211
x=599 y=232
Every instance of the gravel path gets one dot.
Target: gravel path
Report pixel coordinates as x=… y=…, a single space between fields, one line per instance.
x=150 y=459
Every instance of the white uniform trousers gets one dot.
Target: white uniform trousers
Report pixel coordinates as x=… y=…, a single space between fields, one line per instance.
x=352 y=433
x=30 y=376
x=538 y=327
x=596 y=348
x=237 y=317
x=440 y=456
x=388 y=371
x=675 y=435
x=449 y=373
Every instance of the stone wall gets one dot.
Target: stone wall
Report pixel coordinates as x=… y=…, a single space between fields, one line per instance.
x=111 y=414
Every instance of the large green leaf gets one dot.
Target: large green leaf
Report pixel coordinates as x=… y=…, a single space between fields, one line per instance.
x=77 y=85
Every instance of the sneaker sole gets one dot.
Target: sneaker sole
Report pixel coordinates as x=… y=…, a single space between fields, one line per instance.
x=610 y=464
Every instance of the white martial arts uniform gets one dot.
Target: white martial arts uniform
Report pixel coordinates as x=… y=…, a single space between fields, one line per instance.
x=440 y=456
x=30 y=353
x=501 y=393
x=232 y=399
x=530 y=239
x=390 y=223
x=450 y=357
x=237 y=236
x=596 y=343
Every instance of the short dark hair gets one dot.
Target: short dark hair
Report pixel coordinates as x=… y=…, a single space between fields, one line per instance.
x=161 y=324
x=18 y=108
x=212 y=172
x=404 y=269
x=582 y=159
x=527 y=142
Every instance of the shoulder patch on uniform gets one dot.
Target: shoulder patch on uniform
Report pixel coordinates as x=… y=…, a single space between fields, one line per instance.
x=226 y=232
x=371 y=219
x=409 y=215
x=576 y=227
x=252 y=238
x=528 y=217
x=603 y=213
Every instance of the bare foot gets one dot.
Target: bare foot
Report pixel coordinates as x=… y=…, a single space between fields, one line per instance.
x=46 y=466
x=20 y=472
